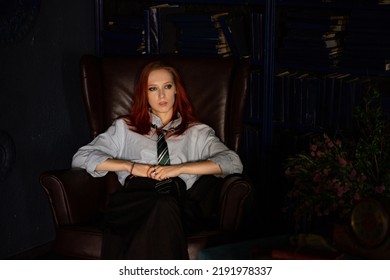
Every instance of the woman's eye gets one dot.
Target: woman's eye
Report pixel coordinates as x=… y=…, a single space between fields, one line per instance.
x=168 y=86
x=152 y=89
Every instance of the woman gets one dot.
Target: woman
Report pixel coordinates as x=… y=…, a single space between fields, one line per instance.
x=145 y=224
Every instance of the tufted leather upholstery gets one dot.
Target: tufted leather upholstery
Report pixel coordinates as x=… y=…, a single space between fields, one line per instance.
x=217 y=88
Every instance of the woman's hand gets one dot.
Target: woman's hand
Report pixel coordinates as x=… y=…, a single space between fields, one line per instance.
x=141 y=169
x=162 y=172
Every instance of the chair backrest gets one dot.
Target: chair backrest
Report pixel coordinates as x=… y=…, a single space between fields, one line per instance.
x=217 y=88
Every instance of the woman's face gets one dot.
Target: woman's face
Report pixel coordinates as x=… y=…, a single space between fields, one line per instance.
x=161 y=94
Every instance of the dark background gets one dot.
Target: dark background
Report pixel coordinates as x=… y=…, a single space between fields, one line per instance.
x=41 y=109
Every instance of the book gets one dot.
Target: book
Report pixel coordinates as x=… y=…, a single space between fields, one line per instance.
x=339 y=100
x=289 y=97
x=298 y=99
x=255 y=97
x=352 y=97
x=311 y=101
x=328 y=97
x=279 y=101
x=256 y=31
x=233 y=28
x=161 y=35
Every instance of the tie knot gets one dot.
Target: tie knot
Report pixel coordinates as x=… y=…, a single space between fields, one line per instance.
x=159 y=130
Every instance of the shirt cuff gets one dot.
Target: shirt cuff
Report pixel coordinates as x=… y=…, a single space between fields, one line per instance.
x=229 y=164
x=93 y=161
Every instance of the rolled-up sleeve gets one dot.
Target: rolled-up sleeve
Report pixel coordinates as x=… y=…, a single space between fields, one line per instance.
x=103 y=147
x=217 y=152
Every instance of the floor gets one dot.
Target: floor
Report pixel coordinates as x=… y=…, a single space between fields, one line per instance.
x=43 y=252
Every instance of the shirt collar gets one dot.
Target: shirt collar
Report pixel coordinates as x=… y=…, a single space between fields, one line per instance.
x=173 y=124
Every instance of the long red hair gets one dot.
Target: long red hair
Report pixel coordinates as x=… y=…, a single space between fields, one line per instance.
x=139 y=117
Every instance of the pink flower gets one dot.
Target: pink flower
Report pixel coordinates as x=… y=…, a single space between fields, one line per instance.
x=380 y=189
x=342 y=161
x=353 y=172
x=317 y=177
x=329 y=143
x=325 y=172
x=363 y=177
x=314 y=147
x=341 y=190
x=356 y=197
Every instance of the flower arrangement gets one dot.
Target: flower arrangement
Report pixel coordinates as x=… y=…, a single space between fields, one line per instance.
x=335 y=173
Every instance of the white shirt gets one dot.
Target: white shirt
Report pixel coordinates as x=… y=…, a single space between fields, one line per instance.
x=197 y=143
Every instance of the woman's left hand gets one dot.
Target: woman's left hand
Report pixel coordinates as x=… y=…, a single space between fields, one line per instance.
x=162 y=172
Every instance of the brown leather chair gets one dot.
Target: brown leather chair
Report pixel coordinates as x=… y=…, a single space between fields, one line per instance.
x=217 y=88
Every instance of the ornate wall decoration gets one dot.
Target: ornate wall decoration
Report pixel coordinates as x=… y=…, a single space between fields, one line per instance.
x=7 y=154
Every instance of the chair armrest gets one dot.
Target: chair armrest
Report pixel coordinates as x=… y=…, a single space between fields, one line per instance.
x=75 y=196
x=233 y=201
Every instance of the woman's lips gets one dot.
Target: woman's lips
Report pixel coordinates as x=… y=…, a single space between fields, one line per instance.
x=163 y=103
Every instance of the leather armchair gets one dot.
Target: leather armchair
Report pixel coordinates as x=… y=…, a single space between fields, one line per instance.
x=217 y=88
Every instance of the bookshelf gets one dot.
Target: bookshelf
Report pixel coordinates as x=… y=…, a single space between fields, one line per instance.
x=308 y=57
x=326 y=54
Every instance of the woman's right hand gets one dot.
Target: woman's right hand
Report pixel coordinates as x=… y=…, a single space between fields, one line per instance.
x=141 y=169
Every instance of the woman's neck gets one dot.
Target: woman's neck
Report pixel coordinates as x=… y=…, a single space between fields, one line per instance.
x=165 y=117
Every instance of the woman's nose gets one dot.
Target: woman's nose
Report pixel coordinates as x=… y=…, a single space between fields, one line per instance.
x=161 y=93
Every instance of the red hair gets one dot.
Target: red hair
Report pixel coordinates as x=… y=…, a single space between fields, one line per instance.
x=139 y=116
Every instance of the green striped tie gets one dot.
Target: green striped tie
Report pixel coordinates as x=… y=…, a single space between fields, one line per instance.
x=162 y=148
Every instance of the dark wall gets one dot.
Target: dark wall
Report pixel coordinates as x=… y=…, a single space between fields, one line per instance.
x=41 y=109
